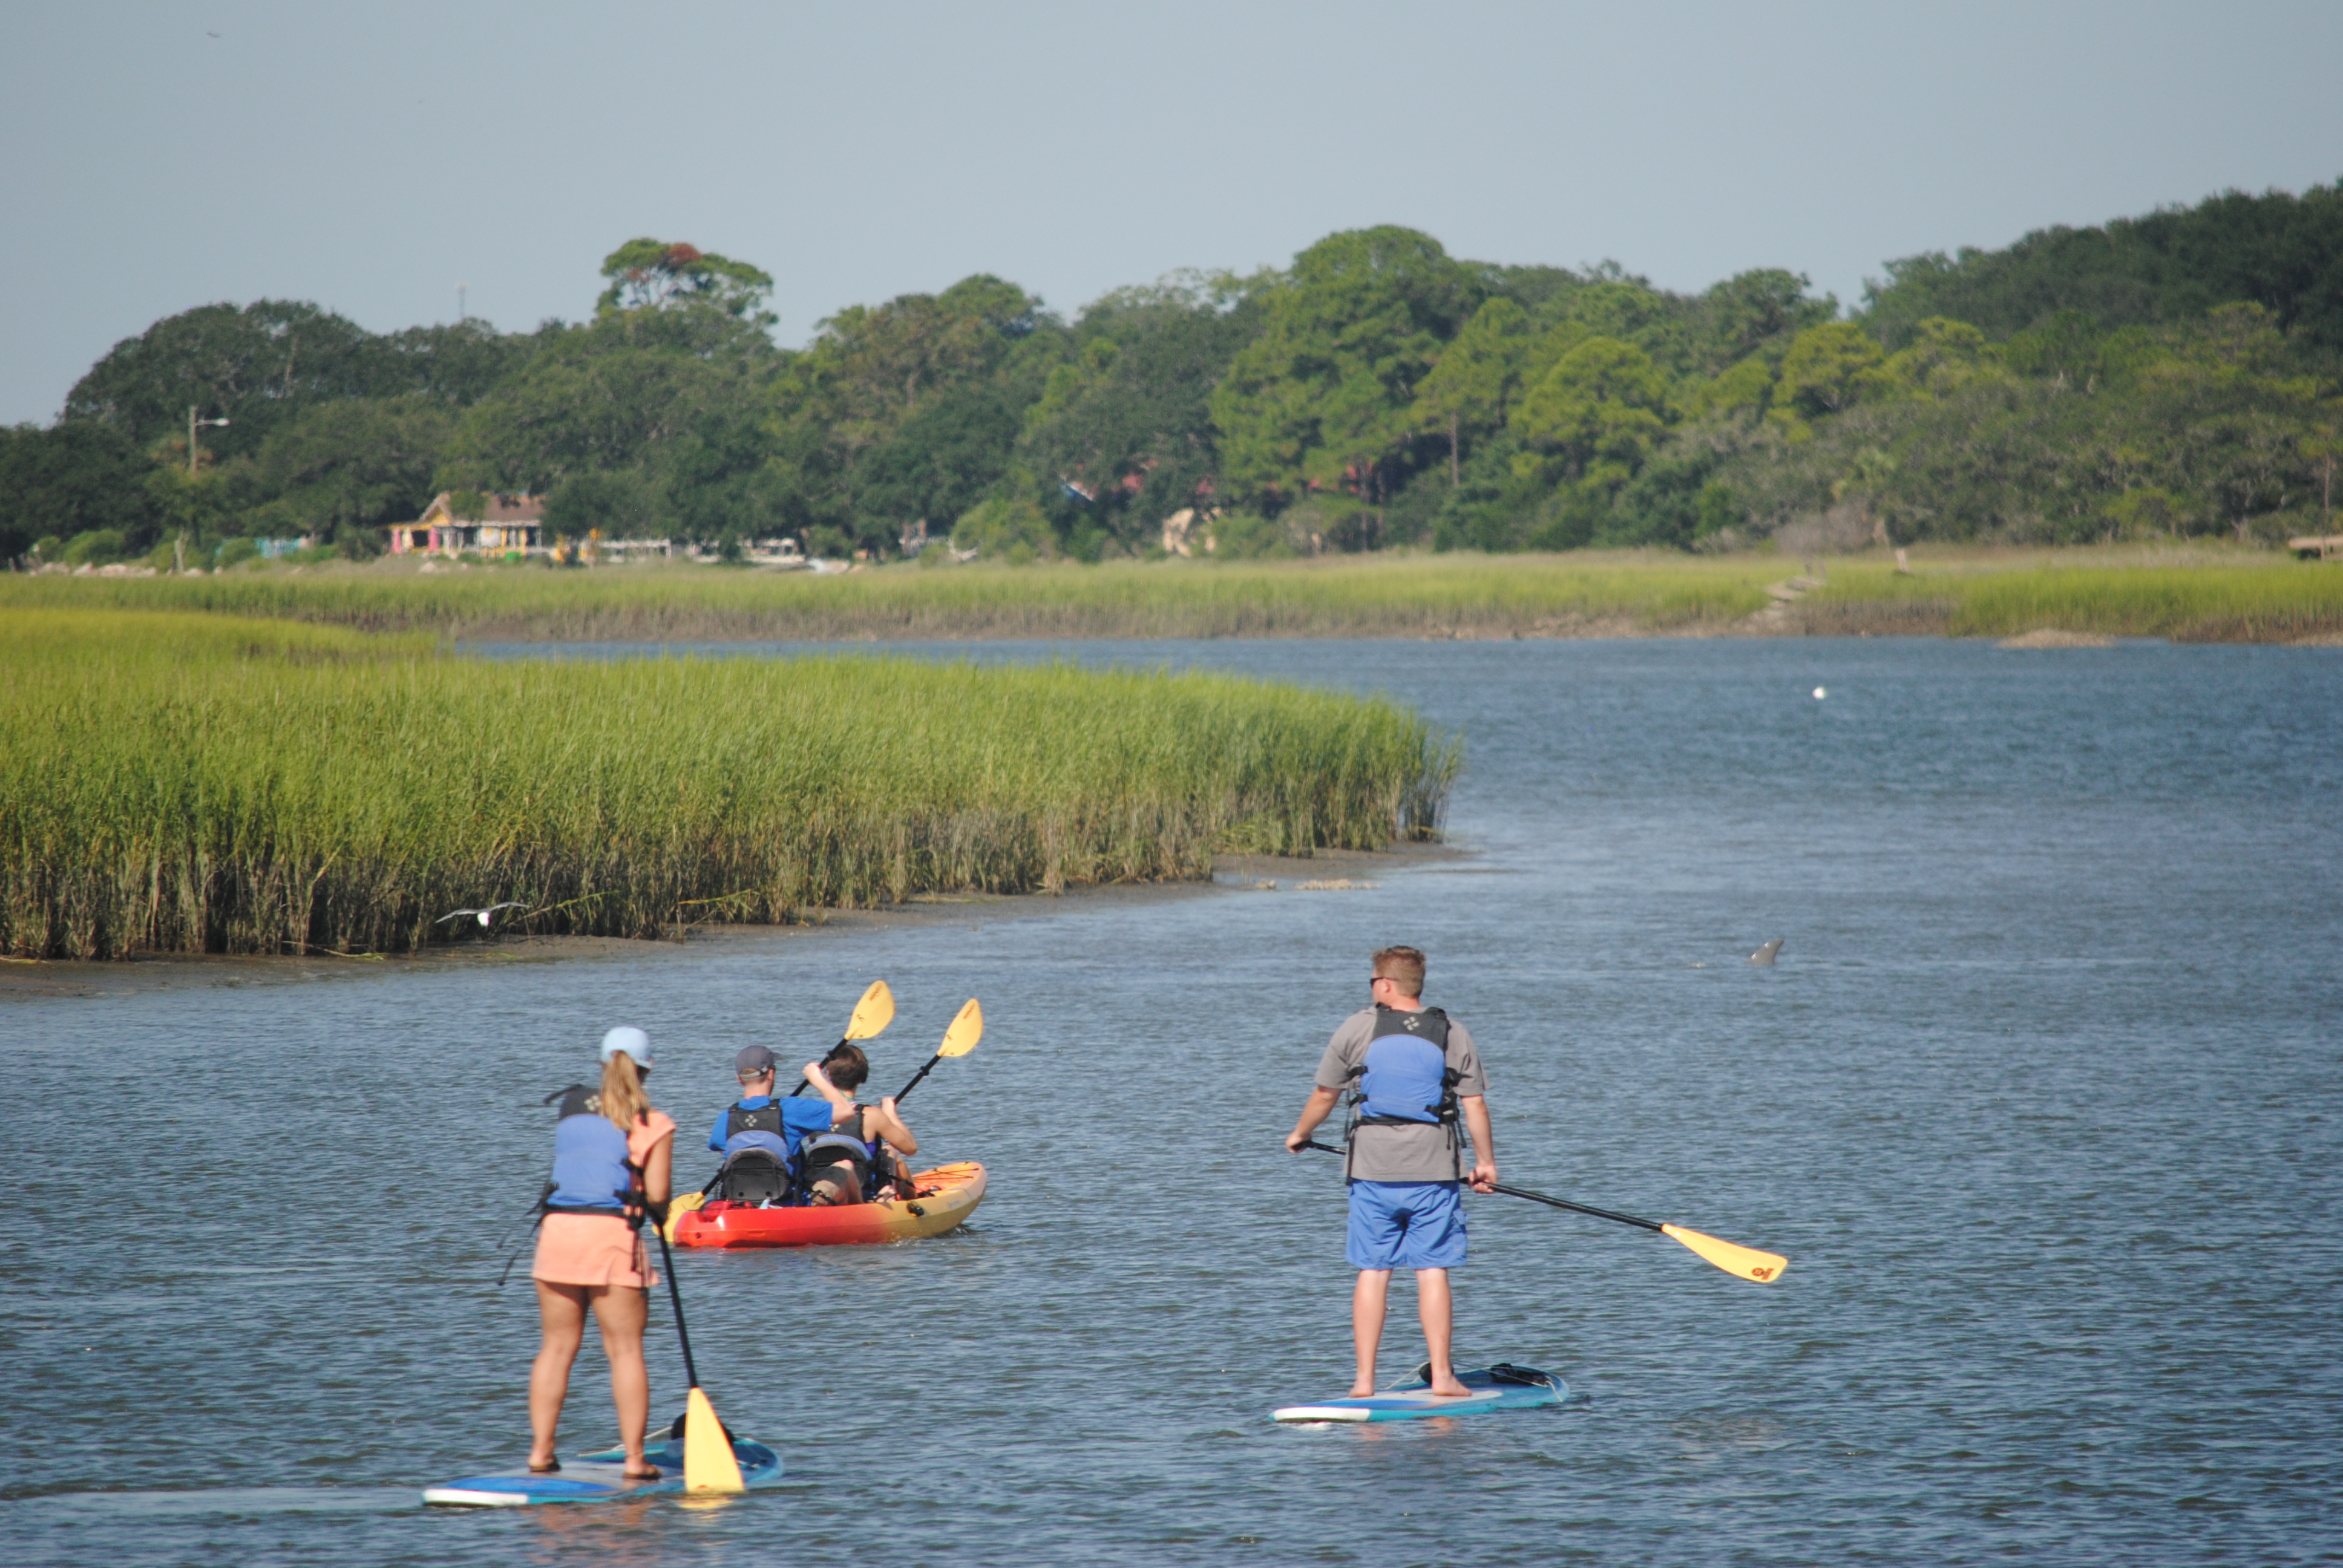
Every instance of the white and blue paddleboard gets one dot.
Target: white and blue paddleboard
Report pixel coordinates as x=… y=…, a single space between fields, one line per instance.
x=597 y=1478
x=1500 y=1387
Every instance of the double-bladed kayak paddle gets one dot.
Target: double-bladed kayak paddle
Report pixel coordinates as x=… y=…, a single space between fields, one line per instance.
x=967 y=1029
x=870 y=1019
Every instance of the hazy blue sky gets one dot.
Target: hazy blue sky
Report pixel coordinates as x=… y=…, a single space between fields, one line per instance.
x=158 y=157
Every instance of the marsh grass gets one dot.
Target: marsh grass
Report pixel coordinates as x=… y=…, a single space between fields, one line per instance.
x=2193 y=592
x=192 y=783
x=1415 y=597
x=2241 y=598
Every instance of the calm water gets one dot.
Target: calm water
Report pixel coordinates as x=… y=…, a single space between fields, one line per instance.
x=2043 y=1102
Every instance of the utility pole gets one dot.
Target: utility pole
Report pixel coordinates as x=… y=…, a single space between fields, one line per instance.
x=195 y=424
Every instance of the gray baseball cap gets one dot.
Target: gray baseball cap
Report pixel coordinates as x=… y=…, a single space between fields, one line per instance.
x=753 y=1063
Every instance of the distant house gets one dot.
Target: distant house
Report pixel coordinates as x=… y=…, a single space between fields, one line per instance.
x=514 y=523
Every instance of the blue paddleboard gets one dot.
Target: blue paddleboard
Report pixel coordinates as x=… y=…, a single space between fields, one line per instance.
x=597 y=1478
x=1500 y=1387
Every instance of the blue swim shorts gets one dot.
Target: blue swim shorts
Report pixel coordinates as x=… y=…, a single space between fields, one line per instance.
x=1406 y=1225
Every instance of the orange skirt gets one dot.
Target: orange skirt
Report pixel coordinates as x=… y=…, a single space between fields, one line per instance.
x=591 y=1250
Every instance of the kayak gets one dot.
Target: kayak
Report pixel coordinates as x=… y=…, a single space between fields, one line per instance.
x=942 y=1199
x=1500 y=1387
x=596 y=1478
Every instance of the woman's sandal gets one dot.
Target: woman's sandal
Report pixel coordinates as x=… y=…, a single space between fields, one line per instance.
x=653 y=1473
x=545 y=1469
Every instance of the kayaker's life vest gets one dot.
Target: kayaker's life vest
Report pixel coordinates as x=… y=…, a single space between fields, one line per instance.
x=1406 y=1078
x=591 y=1172
x=839 y=1146
x=762 y=1128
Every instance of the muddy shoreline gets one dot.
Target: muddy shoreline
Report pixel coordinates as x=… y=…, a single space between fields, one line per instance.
x=28 y=980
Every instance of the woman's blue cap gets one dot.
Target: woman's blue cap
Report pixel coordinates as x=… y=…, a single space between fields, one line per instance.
x=630 y=1039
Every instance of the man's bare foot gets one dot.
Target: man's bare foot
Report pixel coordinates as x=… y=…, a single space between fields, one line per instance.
x=1450 y=1389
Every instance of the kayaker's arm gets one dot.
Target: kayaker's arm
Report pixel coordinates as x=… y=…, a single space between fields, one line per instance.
x=1319 y=1106
x=891 y=1127
x=842 y=1104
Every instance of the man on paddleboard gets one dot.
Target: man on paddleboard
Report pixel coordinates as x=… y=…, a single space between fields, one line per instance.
x=1417 y=1075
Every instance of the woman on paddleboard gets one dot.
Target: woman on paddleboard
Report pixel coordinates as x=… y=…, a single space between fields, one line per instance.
x=612 y=1155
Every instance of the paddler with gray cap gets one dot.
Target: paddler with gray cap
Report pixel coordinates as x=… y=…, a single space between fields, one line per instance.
x=759 y=1119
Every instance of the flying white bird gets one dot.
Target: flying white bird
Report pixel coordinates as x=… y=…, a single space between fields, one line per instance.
x=484 y=915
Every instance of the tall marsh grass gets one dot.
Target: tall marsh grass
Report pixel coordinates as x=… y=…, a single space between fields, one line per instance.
x=1413 y=596
x=2198 y=592
x=2273 y=599
x=192 y=783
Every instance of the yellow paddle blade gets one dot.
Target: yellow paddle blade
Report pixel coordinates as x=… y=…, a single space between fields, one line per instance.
x=684 y=1204
x=873 y=1013
x=966 y=1029
x=707 y=1461
x=1733 y=1258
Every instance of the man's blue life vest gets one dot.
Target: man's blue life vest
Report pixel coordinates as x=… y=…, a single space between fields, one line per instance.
x=591 y=1174
x=1406 y=1077
x=760 y=1127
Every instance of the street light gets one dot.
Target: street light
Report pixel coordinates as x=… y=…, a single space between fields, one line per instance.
x=193 y=425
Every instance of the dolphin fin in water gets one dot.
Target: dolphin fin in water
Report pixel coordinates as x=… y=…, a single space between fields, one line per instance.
x=1765 y=955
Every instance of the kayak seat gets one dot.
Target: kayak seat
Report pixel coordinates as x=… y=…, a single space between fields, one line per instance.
x=751 y=1176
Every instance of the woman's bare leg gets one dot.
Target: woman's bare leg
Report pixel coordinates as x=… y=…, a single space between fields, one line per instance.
x=561 y=1316
x=622 y=1309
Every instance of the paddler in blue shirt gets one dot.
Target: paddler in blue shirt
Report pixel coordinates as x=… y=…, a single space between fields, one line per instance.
x=759 y=1120
x=1417 y=1075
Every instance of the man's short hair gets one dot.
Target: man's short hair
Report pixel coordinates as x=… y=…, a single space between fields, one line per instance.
x=1403 y=967
x=846 y=1067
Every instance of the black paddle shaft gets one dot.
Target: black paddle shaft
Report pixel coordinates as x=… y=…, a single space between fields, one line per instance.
x=1532 y=1197
x=918 y=1075
x=843 y=1043
x=1578 y=1208
x=690 y=1372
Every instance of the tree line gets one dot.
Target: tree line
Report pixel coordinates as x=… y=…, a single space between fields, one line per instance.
x=2170 y=375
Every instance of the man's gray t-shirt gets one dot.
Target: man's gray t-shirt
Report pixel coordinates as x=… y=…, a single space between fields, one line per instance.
x=1412 y=1154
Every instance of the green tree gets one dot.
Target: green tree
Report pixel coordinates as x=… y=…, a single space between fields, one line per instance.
x=1129 y=416
x=907 y=411
x=1324 y=396
x=1470 y=387
x=253 y=367
x=1823 y=373
x=653 y=275
x=1942 y=357
x=81 y=477
x=1596 y=415
x=351 y=464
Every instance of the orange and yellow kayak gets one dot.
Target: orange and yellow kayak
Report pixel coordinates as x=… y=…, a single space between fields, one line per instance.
x=942 y=1199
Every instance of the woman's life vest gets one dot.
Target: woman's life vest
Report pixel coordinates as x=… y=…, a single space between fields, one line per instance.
x=840 y=1147
x=591 y=1172
x=1406 y=1078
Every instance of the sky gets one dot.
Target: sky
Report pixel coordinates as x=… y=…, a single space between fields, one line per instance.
x=374 y=158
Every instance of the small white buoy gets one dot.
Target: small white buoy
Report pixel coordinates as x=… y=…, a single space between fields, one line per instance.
x=1820 y=694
